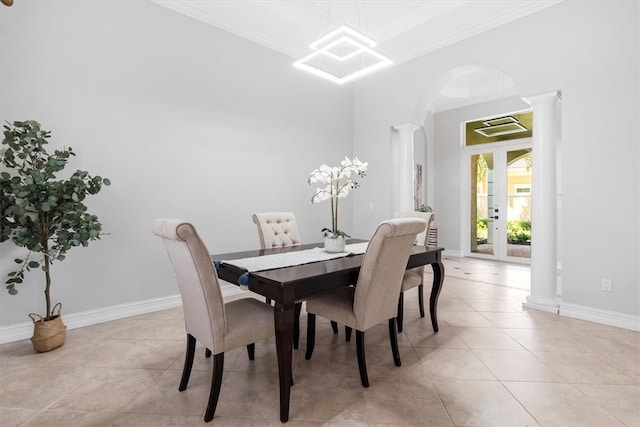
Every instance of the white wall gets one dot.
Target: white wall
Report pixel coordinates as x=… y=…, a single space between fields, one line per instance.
x=589 y=51
x=186 y=120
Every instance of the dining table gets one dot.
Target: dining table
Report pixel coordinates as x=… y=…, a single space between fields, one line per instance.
x=288 y=286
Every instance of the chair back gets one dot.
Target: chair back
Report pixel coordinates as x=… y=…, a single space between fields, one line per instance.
x=204 y=312
x=421 y=238
x=383 y=266
x=277 y=229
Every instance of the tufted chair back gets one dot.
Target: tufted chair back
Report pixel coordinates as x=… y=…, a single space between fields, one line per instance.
x=277 y=229
x=383 y=267
x=427 y=216
x=204 y=312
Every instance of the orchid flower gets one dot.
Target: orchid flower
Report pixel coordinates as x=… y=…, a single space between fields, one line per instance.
x=340 y=181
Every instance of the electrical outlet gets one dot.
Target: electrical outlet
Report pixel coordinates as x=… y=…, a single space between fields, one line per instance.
x=607 y=285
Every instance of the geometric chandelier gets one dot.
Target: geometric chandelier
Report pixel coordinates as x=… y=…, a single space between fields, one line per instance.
x=343 y=55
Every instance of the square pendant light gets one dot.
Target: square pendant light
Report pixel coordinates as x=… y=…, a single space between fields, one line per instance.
x=343 y=55
x=501 y=126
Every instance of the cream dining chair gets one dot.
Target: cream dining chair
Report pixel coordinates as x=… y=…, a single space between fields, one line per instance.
x=218 y=326
x=277 y=230
x=374 y=298
x=415 y=276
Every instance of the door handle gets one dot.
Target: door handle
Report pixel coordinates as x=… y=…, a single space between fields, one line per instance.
x=494 y=217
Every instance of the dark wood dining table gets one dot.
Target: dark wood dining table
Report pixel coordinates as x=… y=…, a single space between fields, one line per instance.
x=290 y=285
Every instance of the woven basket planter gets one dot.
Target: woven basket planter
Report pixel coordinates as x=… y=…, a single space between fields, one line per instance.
x=48 y=334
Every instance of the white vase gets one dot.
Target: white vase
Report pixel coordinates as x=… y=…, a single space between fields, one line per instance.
x=334 y=244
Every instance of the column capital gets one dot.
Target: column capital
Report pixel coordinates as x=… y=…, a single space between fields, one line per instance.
x=406 y=127
x=544 y=98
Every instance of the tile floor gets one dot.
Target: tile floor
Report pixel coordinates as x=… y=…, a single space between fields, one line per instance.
x=493 y=363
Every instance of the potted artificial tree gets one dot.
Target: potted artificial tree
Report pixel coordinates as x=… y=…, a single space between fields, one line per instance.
x=43 y=214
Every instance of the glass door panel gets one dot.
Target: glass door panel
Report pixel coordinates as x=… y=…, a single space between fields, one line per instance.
x=518 y=236
x=482 y=203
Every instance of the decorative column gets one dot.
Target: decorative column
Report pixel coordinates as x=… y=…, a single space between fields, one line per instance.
x=544 y=222
x=402 y=165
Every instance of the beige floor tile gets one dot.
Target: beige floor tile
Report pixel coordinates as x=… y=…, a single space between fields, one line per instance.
x=487 y=338
x=30 y=397
x=58 y=418
x=482 y=403
x=519 y=365
x=464 y=319
x=327 y=359
x=561 y=404
x=20 y=356
x=338 y=412
x=543 y=339
x=583 y=368
x=558 y=370
x=412 y=316
x=14 y=417
x=421 y=336
x=123 y=420
x=455 y=364
x=250 y=395
x=108 y=390
x=165 y=399
x=113 y=353
x=627 y=363
x=407 y=411
x=151 y=329
x=620 y=400
x=170 y=314
x=510 y=320
x=451 y=303
x=489 y=305
x=413 y=382
x=604 y=339
x=265 y=359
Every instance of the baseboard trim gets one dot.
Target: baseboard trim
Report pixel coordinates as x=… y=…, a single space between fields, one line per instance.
x=24 y=330
x=605 y=317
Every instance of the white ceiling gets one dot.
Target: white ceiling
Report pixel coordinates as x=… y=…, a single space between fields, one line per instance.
x=403 y=29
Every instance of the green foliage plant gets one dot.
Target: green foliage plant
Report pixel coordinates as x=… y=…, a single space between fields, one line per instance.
x=39 y=212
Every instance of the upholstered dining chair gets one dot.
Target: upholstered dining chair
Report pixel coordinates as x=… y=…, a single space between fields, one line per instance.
x=414 y=276
x=373 y=300
x=218 y=326
x=277 y=230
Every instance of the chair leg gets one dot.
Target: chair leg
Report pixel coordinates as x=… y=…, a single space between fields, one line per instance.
x=311 y=335
x=400 y=315
x=251 y=351
x=420 y=301
x=188 y=362
x=334 y=326
x=393 y=337
x=207 y=353
x=362 y=364
x=347 y=333
x=216 y=382
x=296 y=325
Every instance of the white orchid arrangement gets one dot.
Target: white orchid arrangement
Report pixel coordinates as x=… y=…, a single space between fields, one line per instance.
x=339 y=181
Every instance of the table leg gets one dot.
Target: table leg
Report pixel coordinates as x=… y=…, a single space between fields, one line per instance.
x=284 y=320
x=438 y=279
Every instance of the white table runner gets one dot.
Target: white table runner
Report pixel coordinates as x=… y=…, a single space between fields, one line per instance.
x=289 y=259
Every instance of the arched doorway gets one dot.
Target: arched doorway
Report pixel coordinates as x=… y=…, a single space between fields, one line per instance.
x=462 y=94
x=444 y=183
